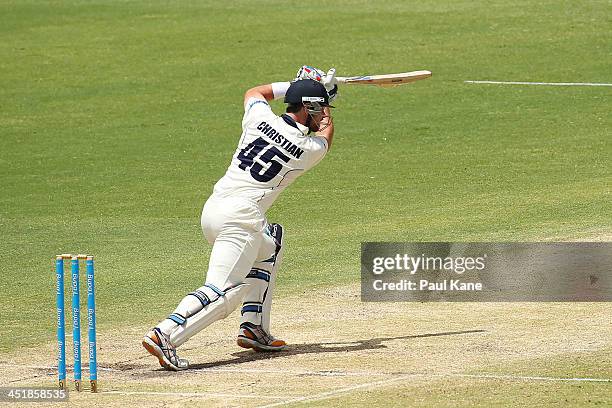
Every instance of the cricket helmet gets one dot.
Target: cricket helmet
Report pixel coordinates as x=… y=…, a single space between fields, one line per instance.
x=309 y=93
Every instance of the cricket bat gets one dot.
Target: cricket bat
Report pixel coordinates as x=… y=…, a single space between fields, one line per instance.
x=385 y=80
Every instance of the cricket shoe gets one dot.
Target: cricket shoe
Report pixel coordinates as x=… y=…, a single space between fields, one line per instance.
x=158 y=345
x=253 y=336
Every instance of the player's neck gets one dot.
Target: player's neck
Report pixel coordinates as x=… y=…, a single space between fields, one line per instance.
x=299 y=117
x=292 y=117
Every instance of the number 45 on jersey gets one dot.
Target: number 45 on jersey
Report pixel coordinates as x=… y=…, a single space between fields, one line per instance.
x=251 y=158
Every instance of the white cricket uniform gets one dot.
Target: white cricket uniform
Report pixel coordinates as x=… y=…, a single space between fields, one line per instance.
x=273 y=151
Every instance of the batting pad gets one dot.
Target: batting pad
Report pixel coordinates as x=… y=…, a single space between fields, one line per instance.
x=257 y=306
x=220 y=307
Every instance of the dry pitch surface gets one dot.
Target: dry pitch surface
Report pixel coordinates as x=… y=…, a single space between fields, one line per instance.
x=345 y=352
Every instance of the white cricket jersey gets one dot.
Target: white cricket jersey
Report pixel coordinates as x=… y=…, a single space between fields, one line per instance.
x=273 y=151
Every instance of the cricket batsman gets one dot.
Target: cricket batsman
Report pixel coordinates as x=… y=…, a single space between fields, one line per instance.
x=247 y=250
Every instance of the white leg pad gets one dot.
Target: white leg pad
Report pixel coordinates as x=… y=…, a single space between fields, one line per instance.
x=257 y=306
x=218 y=308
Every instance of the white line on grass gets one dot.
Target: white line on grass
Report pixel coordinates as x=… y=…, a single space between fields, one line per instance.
x=539 y=83
x=346 y=390
x=388 y=374
x=329 y=373
x=332 y=373
x=52 y=368
x=194 y=394
x=333 y=393
x=524 y=377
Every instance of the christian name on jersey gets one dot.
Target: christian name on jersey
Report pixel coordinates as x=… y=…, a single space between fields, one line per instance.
x=280 y=140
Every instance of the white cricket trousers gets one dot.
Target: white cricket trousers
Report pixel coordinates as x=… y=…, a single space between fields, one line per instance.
x=235 y=228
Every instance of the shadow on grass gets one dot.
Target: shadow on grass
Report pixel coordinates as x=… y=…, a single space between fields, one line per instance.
x=319 y=348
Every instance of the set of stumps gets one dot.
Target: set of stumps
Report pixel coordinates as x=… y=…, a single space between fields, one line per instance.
x=76 y=320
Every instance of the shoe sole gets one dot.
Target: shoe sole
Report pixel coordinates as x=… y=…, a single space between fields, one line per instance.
x=257 y=346
x=155 y=351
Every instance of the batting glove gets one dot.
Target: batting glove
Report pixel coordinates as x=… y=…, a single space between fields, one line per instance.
x=308 y=72
x=330 y=83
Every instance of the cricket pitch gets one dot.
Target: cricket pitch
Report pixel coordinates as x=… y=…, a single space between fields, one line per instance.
x=343 y=352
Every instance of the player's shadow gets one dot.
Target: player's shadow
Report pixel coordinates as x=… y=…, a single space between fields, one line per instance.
x=318 y=348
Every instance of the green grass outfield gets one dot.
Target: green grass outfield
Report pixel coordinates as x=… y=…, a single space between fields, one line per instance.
x=117 y=117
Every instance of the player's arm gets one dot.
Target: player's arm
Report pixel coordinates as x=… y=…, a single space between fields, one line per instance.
x=259 y=92
x=267 y=92
x=327 y=125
